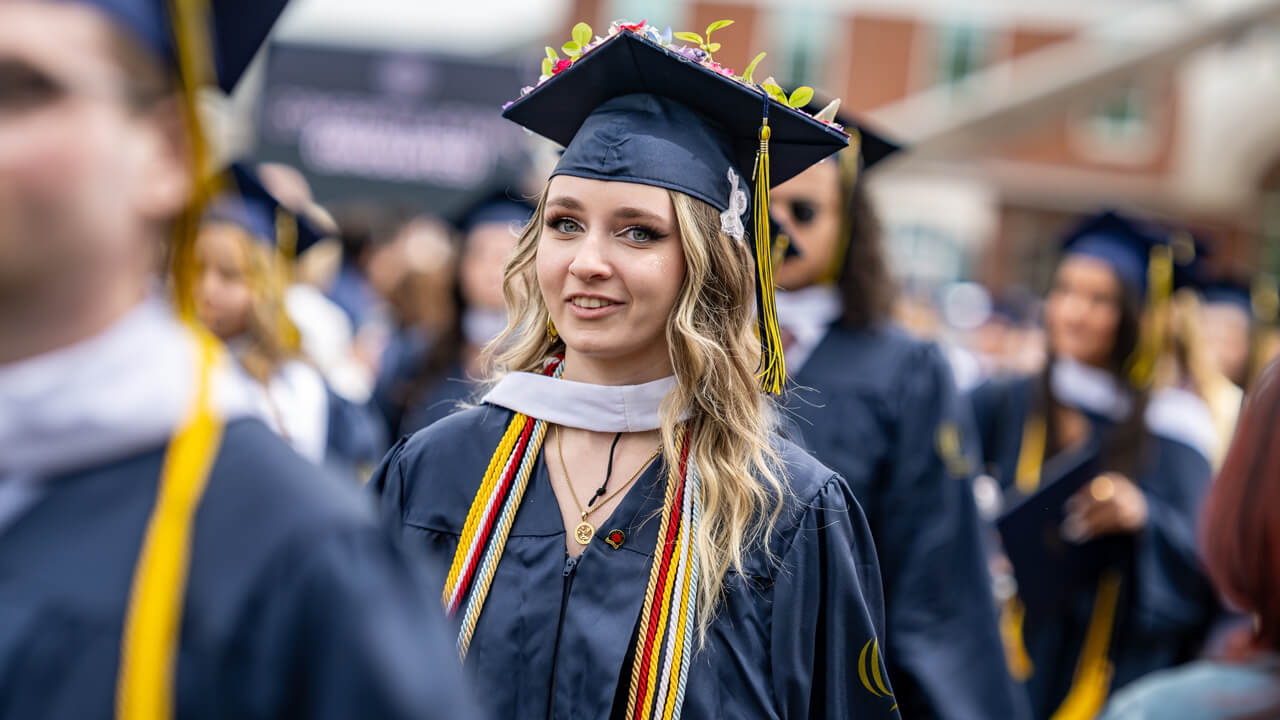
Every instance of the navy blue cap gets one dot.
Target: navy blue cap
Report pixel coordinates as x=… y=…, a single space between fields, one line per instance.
x=873 y=145
x=1123 y=243
x=1230 y=292
x=496 y=209
x=257 y=211
x=635 y=110
x=237 y=29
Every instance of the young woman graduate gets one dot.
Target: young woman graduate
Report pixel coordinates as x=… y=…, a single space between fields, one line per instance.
x=619 y=531
x=164 y=553
x=881 y=409
x=1136 y=599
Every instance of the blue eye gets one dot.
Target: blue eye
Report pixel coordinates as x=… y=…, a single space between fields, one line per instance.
x=565 y=225
x=640 y=235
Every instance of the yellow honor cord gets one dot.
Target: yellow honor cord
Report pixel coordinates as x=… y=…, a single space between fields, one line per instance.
x=1092 y=680
x=1012 y=615
x=1031 y=455
x=773 y=368
x=154 y=618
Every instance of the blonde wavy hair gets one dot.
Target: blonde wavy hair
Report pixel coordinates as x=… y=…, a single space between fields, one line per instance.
x=273 y=339
x=715 y=353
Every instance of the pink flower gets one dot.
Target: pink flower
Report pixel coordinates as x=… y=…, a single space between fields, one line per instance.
x=721 y=69
x=561 y=66
x=638 y=27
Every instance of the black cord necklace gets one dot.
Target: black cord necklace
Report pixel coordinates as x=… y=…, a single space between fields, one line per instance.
x=608 y=472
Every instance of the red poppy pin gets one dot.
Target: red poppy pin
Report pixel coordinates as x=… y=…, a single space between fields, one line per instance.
x=615 y=538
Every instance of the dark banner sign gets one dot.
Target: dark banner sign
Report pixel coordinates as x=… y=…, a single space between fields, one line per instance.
x=408 y=130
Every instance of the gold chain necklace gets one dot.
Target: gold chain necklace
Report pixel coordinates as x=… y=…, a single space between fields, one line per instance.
x=585 y=530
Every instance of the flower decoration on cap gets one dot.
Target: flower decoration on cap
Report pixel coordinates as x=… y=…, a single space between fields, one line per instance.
x=584 y=41
x=731 y=218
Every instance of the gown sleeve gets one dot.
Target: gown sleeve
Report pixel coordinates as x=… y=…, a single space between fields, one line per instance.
x=946 y=654
x=386 y=485
x=828 y=616
x=347 y=621
x=1172 y=593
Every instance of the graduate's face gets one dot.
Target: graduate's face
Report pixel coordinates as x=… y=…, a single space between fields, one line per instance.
x=86 y=176
x=1082 y=313
x=610 y=265
x=224 y=298
x=808 y=208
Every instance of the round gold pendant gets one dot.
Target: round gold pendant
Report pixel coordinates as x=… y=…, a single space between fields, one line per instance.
x=584 y=532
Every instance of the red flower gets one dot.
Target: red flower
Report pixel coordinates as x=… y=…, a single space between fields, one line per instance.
x=561 y=66
x=638 y=27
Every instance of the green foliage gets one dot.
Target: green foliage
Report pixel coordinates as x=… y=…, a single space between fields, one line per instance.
x=551 y=55
x=547 y=66
x=800 y=97
x=582 y=34
x=691 y=37
x=716 y=26
x=572 y=49
x=752 y=67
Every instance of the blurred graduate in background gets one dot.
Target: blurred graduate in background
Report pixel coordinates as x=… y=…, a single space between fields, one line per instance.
x=165 y=553
x=1102 y=476
x=245 y=258
x=448 y=378
x=880 y=408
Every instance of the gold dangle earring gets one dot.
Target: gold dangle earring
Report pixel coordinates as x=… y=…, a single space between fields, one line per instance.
x=552 y=335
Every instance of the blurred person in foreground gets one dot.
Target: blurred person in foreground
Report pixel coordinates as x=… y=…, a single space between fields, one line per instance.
x=165 y=553
x=448 y=376
x=1143 y=603
x=1240 y=538
x=880 y=408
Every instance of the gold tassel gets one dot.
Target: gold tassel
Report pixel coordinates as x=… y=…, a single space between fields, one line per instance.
x=1142 y=365
x=773 y=368
x=190 y=20
x=286 y=253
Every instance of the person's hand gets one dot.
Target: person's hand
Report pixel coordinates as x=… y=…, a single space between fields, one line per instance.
x=1109 y=505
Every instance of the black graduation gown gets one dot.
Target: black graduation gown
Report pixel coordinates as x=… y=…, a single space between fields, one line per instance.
x=875 y=405
x=1166 y=604
x=555 y=634
x=299 y=604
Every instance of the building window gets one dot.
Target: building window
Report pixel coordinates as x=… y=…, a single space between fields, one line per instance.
x=962 y=51
x=800 y=38
x=1122 y=116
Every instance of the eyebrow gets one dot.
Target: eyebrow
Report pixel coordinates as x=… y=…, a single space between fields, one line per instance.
x=623 y=213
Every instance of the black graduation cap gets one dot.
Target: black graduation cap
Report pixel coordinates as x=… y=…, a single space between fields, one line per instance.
x=237 y=29
x=253 y=208
x=1122 y=242
x=1046 y=565
x=634 y=108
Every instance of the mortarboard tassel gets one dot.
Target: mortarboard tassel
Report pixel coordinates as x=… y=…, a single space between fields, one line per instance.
x=286 y=254
x=1142 y=365
x=773 y=368
x=145 y=683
